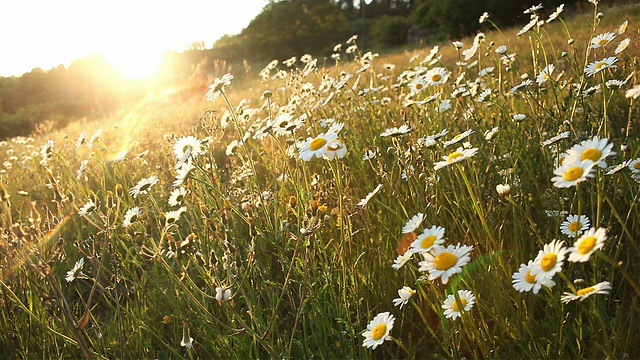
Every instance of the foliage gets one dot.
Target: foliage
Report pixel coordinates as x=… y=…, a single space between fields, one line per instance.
x=390 y=31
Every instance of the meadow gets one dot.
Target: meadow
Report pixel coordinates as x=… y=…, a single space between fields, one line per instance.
x=474 y=199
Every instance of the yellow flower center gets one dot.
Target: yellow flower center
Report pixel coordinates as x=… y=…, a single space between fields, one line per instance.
x=548 y=261
x=317 y=143
x=531 y=279
x=636 y=165
x=600 y=65
x=445 y=260
x=603 y=42
x=456 y=307
x=378 y=331
x=454 y=155
x=428 y=241
x=586 y=244
x=592 y=154
x=575 y=226
x=573 y=173
x=418 y=86
x=436 y=77
x=585 y=291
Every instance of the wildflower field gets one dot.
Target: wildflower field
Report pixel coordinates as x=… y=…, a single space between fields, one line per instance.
x=476 y=199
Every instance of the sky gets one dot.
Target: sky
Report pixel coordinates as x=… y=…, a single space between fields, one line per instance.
x=132 y=34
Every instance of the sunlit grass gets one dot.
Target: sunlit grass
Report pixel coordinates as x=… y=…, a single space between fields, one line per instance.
x=204 y=231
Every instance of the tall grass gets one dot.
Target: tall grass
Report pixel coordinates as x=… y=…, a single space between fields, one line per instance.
x=210 y=229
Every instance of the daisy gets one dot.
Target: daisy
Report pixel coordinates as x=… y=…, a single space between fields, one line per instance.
x=555 y=139
x=570 y=173
x=614 y=84
x=501 y=50
x=365 y=201
x=597 y=66
x=81 y=140
x=218 y=86
x=549 y=260
x=622 y=46
x=436 y=76
x=401 y=260
x=47 y=150
x=316 y=146
x=634 y=166
x=623 y=27
x=83 y=165
x=453 y=308
x=533 y=9
x=397 y=131
x=633 y=93
x=428 y=239
x=443 y=262
x=76 y=271
x=173 y=216
x=131 y=216
x=177 y=196
x=483 y=17
x=182 y=173
x=599 y=288
x=575 y=225
x=594 y=149
x=87 y=208
x=378 y=330
x=545 y=74
x=413 y=223
x=405 y=294
x=529 y=26
x=143 y=186
x=556 y=13
x=418 y=84
x=524 y=281
x=459 y=155
x=602 y=40
x=335 y=148
x=187 y=146
x=458 y=137
x=587 y=244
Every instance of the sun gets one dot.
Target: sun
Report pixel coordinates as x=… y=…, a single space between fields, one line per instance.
x=135 y=64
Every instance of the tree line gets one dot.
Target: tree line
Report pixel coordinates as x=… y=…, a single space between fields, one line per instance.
x=283 y=29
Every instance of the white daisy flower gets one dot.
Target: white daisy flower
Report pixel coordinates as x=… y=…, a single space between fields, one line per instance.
x=436 y=76
x=587 y=244
x=428 y=239
x=186 y=147
x=87 y=208
x=570 y=173
x=378 y=330
x=549 y=260
x=397 y=131
x=404 y=295
x=316 y=146
x=454 y=308
x=417 y=85
x=76 y=271
x=401 y=260
x=413 y=223
x=218 y=86
x=622 y=46
x=599 y=288
x=443 y=262
x=363 y=202
x=634 y=166
x=575 y=225
x=633 y=93
x=131 y=216
x=460 y=154
x=335 y=148
x=601 y=40
x=524 y=281
x=597 y=66
x=545 y=74
x=177 y=196
x=143 y=186
x=594 y=149
x=223 y=293
x=458 y=138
